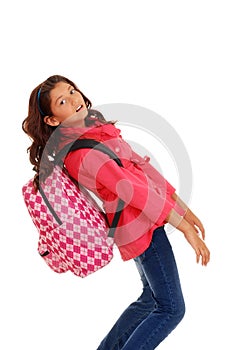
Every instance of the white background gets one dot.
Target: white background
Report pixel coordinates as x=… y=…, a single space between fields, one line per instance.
x=173 y=57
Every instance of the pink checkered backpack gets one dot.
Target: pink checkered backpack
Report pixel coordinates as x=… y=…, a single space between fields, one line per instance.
x=73 y=231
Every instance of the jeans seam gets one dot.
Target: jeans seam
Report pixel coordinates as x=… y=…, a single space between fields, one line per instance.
x=126 y=331
x=166 y=279
x=155 y=331
x=171 y=298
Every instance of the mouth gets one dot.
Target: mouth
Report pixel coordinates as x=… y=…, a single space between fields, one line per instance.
x=78 y=108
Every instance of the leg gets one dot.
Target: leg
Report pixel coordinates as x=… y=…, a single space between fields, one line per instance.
x=130 y=318
x=159 y=267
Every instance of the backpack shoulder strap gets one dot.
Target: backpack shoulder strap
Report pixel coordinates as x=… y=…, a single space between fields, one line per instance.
x=86 y=143
x=90 y=143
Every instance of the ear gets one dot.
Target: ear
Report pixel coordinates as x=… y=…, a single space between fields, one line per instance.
x=52 y=121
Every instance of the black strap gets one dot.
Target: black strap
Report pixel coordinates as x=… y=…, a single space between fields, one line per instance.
x=88 y=143
x=116 y=218
x=51 y=209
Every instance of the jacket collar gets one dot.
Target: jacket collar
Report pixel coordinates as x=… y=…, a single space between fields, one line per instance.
x=98 y=131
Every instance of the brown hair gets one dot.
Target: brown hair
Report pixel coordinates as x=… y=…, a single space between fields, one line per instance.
x=40 y=132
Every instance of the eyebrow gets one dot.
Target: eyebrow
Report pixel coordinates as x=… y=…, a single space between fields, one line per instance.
x=69 y=86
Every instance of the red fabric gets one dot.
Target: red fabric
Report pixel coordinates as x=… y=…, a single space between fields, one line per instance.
x=147 y=195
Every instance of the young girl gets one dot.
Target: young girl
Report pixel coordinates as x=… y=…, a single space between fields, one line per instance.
x=150 y=202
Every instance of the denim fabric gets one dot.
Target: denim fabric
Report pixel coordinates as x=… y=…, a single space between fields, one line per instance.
x=159 y=309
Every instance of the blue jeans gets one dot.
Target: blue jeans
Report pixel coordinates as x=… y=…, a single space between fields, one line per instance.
x=159 y=309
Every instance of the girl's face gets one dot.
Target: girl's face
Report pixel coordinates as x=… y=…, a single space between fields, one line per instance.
x=67 y=105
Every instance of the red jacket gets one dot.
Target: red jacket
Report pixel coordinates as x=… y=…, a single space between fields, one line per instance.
x=147 y=195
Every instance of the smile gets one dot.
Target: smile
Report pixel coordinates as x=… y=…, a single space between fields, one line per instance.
x=79 y=108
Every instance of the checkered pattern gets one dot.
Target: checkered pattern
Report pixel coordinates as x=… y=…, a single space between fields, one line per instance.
x=80 y=244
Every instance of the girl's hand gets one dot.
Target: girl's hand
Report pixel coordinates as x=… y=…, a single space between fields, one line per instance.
x=190 y=227
x=195 y=222
x=200 y=248
x=190 y=216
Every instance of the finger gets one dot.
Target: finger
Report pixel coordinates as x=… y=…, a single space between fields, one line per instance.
x=197 y=256
x=201 y=227
x=205 y=257
x=204 y=262
x=199 y=224
x=200 y=230
x=203 y=233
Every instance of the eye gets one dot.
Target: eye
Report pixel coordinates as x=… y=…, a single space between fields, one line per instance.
x=73 y=91
x=63 y=102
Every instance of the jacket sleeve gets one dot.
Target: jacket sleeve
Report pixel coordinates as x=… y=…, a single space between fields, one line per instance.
x=155 y=175
x=93 y=168
x=151 y=171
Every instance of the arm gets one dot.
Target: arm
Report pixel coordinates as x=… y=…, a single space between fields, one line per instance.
x=95 y=169
x=187 y=222
x=150 y=170
x=190 y=216
x=191 y=227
